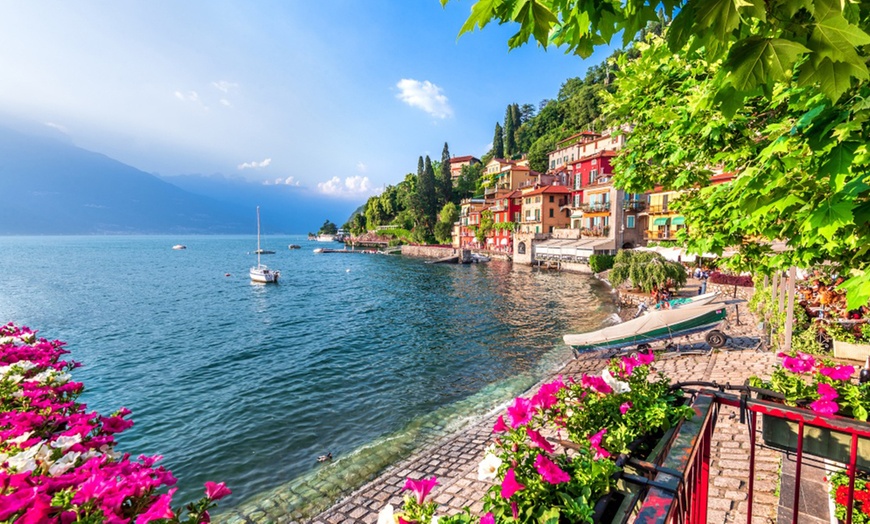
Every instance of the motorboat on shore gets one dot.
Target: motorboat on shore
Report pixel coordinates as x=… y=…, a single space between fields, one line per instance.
x=261 y=273
x=655 y=326
x=680 y=302
x=179 y=247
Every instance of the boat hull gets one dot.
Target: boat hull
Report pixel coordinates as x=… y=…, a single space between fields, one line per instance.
x=264 y=275
x=657 y=325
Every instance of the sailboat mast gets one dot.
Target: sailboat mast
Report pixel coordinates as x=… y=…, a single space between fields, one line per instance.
x=258 y=236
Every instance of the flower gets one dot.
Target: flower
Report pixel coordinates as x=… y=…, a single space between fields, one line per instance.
x=549 y=471
x=596 y=383
x=539 y=441
x=624 y=407
x=595 y=442
x=159 y=510
x=800 y=363
x=385 y=516
x=627 y=365
x=645 y=357
x=487 y=519
x=500 y=426
x=488 y=467
x=616 y=385
x=842 y=372
x=824 y=407
x=509 y=485
x=421 y=488
x=520 y=412
x=826 y=392
x=546 y=395
x=216 y=491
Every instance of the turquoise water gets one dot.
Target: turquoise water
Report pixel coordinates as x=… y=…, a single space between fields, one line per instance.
x=244 y=383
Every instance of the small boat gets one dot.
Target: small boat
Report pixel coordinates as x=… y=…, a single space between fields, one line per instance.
x=677 y=303
x=294 y=246
x=261 y=273
x=264 y=252
x=477 y=258
x=326 y=238
x=179 y=246
x=652 y=327
x=319 y=250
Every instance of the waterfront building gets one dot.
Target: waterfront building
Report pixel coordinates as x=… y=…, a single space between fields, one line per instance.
x=544 y=209
x=506 y=215
x=585 y=143
x=469 y=220
x=508 y=175
x=662 y=222
x=456 y=164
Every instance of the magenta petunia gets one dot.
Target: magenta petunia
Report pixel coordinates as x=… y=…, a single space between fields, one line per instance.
x=841 y=372
x=800 y=363
x=216 y=491
x=623 y=409
x=500 y=426
x=520 y=412
x=539 y=441
x=487 y=519
x=627 y=365
x=159 y=509
x=645 y=357
x=550 y=472
x=826 y=391
x=824 y=407
x=595 y=442
x=509 y=485
x=595 y=383
x=515 y=510
x=421 y=488
x=546 y=395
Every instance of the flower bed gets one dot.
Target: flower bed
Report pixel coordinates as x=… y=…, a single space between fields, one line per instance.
x=58 y=460
x=556 y=453
x=730 y=280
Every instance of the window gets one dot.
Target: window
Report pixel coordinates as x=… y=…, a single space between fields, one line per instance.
x=629 y=221
x=551 y=212
x=593 y=175
x=576 y=200
x=551 y=199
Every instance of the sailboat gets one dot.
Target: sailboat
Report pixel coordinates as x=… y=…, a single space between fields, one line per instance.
x=262 y=273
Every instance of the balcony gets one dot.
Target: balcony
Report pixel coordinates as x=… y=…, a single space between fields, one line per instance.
x=658 y=235
x=633 y=206
x=601 y=180
x=531 y=220
x=594 y=232
x=658 y=209
x=596 y=207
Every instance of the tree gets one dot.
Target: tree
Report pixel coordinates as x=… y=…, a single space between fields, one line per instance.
x=498 y=142
x=797 y=66
x=645 y=270
x=468 y=183
x=425 y=201
x=446 y=218
x=486 y=224
x=509 y=138
x=445 y=178
x=419 y=166
x=328 y=228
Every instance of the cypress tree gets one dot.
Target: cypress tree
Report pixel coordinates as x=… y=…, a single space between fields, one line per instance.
x=426 y=198
x=498 y=142
x=419 y=166
x=509 y=139
x=445 y=183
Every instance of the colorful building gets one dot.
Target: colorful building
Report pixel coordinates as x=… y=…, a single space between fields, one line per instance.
x=544 y=209
x=456 y=164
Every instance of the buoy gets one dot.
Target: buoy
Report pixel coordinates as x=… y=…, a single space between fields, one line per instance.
x=347 y=270
x=226 y=274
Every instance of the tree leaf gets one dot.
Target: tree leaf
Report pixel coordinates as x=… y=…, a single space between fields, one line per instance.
x=838 y=163
x=828 y=217
x=857 y=289
x=833 y=78
x=836 y=38
x=543 y=18
x=757 y=61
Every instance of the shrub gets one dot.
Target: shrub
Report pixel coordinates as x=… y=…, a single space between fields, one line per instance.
x=730 y=280
x=600 y=263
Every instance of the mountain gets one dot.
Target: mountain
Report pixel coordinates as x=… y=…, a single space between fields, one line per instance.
x=52 y=187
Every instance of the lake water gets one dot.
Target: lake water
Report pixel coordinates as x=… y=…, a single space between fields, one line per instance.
x=365 y=356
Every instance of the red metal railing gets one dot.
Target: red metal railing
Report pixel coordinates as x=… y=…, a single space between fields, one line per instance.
x=679 y=490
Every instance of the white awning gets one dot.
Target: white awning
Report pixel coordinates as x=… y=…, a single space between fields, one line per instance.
x=504 y=241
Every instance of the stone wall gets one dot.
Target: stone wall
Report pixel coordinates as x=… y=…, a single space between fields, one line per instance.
x=728 y=291
x=428 y=251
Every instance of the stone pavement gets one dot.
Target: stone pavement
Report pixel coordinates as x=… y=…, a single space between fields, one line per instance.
x=454 y=459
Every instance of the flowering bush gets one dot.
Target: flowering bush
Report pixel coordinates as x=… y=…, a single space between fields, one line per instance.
x=555 y=454
x=58 y=460
x=840 y=494
x=730 y=280
x=820 y=383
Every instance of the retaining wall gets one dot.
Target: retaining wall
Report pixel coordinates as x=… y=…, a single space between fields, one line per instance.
x=428 y=251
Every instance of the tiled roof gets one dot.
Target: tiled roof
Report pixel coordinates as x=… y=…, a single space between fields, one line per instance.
x=607 y=153
x=549 y=189
x=467 y=158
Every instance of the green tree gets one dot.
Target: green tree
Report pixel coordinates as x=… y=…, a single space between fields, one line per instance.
x=425 y=201
x=498 y=142
x=446 y=218
x=509 y=137
x=445 y=180
x=469 y=177
x=328 y=228
x=645 y=270
x=486 y=225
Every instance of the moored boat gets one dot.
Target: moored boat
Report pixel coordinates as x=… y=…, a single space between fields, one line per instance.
x=179 y=247
x=261 y=273
x=294 y=246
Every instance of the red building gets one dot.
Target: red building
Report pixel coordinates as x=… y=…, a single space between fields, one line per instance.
x=506 y=211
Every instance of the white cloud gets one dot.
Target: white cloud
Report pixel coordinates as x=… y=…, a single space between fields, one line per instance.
x=255 y=164
x=289 y=181
x=223 y=86
x=361 y=167
x=59 y=127
x=190 y=96
x=352 y=186
x=225 y=102
x=424 y=95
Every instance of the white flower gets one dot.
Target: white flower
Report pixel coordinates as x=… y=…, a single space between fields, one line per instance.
x=488 y=467
x=6 y=340
x=434 y=519
x=65 y=442
x=618 y=386
x=20 y=438
x=26 y=460
x=386 y=515
x=63 y=464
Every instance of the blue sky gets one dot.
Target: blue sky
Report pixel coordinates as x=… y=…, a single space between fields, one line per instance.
x=337 y=96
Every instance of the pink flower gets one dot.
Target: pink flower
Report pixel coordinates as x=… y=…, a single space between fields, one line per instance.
x=515 y=510
x=549 y=471
x=646 y=358
x=487 y=519
x=520 y=412
x=509 y=485
x=827 y=392
x=500 y=426
x=216 y=491
x=38 y=512
x=627 y=365
x=596 y=383
x=625 y=407
x=800 y=363
x=159 y=509
x=546 y=395
x=824 y=407
x=839 y=372
x=595 y=442
x=115 y=424
x=539 y=441
x=421 y=488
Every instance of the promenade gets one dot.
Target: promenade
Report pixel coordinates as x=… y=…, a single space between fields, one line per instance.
x=454 y=459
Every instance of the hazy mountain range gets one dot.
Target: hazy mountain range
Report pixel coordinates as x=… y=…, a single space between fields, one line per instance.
x=50 y=186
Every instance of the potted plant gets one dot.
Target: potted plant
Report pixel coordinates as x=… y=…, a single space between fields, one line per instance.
x=839 y=493
x=817 y=387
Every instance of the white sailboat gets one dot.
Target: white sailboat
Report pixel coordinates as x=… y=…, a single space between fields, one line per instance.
x=262 y=273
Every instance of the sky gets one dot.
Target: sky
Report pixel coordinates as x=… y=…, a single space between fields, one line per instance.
x=334 y=96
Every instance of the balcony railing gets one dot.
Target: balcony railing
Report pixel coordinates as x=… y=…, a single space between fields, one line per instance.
x=660 y=208
x=595 y=232
x=657 y=235
x=633 y=206
x=531 y=220
x=595 y=207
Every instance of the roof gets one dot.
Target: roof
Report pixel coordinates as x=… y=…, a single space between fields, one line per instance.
x=721 y=178
x=581 y=133
x=549 y=189
x=607 y=153
x=459 y=159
